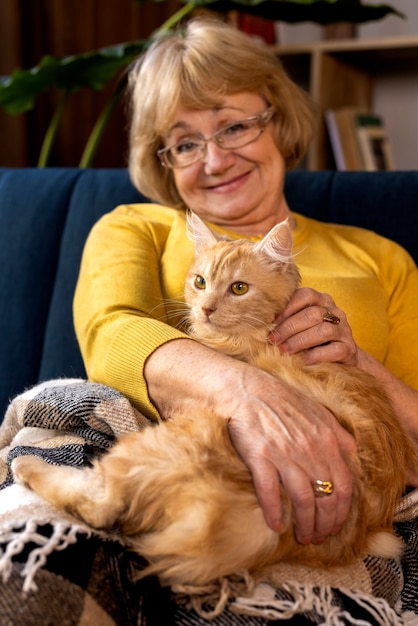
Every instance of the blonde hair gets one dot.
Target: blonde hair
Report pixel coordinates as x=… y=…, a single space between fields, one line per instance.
x=196 y=67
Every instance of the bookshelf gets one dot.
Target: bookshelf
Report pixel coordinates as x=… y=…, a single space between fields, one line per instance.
x=343 y=73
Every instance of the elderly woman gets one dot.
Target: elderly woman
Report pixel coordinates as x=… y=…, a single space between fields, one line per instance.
x=215 y=123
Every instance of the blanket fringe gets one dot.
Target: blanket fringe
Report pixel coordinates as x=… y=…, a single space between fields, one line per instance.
x=239 y=595
x=306 y=599
x=210 y=600
x=63 y=534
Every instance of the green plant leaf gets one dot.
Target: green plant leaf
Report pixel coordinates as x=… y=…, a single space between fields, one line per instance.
x=319 y=11
x=19 y=91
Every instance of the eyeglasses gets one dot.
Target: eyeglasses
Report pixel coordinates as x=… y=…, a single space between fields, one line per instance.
x=229 y=137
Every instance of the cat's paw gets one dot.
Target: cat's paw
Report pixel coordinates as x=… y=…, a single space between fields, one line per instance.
x=26 y=469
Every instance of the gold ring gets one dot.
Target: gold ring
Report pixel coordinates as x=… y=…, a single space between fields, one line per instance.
x=332 y=319
x=322 y=488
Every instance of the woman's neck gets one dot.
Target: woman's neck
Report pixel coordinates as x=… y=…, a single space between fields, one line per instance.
x=252 y=226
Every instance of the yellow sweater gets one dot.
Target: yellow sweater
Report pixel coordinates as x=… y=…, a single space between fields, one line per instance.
x=134 y=265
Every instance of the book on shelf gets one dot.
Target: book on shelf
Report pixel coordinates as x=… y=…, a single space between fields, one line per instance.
x=374 y=143
x=359 y=140
x=342 y=133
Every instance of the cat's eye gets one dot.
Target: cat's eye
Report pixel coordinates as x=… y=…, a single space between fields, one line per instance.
x=200 y=282
x=239 y=288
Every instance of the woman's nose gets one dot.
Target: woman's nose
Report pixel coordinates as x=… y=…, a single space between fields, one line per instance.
x=216 y=159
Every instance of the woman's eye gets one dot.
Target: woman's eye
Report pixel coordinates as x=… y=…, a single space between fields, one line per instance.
x=200 y=282
x=239 y=288
x=185 y=146
x=234 y=129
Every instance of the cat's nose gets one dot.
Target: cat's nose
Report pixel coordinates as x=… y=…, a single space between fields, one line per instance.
x=207 y=311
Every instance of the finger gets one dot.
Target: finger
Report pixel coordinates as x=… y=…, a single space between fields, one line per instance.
x=310 y=336
x=344 y=493
x=267 y=487
x=299 y=489
x=314 y=518
x=332 y=510
x=324 y=343
x=341 y=476
x=304 y=298
x=307 y=329
x=325 y=516
x=333 y=352
x=309 y=318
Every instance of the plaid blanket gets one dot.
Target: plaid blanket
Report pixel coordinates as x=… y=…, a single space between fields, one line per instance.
x=56 y=571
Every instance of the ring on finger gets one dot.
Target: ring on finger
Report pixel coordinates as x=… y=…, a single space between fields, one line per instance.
x=322 y=488
x=331 y=318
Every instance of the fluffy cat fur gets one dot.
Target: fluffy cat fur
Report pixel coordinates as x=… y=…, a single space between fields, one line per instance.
x=180 y=494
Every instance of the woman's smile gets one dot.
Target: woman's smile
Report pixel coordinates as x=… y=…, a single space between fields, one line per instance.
x=231 y=184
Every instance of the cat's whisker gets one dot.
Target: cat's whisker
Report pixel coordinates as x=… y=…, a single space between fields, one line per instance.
x=176 y=313
x=184 y=323
x=154 y=311
x=257 y=327
x=296 y=253
x=171 y=307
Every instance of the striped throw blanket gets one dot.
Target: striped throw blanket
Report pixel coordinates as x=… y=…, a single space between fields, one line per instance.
x=55 y=570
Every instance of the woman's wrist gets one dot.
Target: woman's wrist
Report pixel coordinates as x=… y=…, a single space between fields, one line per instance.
x=184 y=372
x=403 y=397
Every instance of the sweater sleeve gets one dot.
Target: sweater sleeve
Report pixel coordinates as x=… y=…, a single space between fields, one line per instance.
x=121 y=298
x=399 y=275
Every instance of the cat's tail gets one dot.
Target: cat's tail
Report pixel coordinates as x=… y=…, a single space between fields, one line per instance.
x=385 y=544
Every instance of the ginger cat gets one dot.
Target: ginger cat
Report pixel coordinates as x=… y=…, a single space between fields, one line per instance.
x=180 y=494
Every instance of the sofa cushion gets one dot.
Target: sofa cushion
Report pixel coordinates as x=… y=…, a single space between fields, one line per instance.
x=45 y=216
x=32 y=218
x=386 y=202
x=94 y=193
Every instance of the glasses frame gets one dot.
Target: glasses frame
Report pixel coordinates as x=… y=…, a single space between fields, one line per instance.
x=262 y=119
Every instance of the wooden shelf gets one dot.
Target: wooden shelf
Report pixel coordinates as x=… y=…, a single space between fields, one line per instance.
x=342 y=73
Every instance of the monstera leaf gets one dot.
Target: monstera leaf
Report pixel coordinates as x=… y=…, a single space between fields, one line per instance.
x=95 y=69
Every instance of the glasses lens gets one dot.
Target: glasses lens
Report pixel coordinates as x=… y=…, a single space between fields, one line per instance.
x=238 y=134
x=184 y=153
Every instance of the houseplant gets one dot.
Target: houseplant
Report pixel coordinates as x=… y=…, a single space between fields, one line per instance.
x=94 y=70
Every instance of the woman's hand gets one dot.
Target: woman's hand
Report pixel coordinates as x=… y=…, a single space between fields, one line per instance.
x=283 y=437
x=310 y=324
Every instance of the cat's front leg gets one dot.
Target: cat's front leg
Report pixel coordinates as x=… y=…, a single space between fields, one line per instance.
x=80 y=492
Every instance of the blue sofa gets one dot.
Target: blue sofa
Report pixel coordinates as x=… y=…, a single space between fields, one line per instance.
x=45 y=216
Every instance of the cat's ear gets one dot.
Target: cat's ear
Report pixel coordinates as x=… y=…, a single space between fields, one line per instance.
x=199 y=233
x=277 y=245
